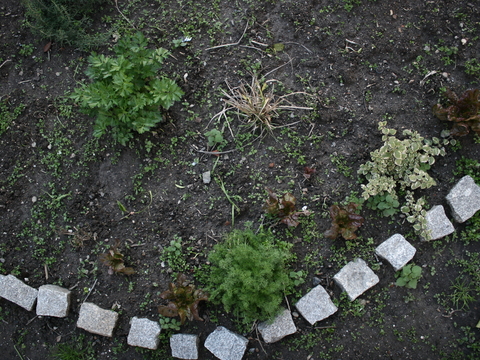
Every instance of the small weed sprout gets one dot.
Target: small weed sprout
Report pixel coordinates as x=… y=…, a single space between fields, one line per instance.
x=409 y=276
x=258 y=104
x=114 y=260
x=184 y=300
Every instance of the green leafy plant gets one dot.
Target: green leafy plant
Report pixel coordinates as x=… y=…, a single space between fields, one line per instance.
x=386 y=203
x=173 y=254
x=77 y=349
x=401 y=165
x=126 y=95
x=465 y=166
x=249 y=274
x=7 y=115
x=345 y=221
x=63 y=21
x=463 y=293
x=184 y=300
x=472 y=67
x=114 y=260
x=214 y=137
x=409 y=276
x=463 y=111
x=284 y=208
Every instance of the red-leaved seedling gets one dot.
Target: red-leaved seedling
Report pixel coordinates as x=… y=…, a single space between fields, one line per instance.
x=184 y=300
x=345 y=221
x=284 y=208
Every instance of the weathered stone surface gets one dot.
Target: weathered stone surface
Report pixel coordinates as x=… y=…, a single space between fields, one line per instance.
x=18 y=292
x=281 y=326
x=355 y=278
x=96 y=320
x=184 y=346
x=144 y=333
x=396 y=250
x=464 y=199
x=438 y=225
x=226 y=345
x=316 y=305
x=53 y=300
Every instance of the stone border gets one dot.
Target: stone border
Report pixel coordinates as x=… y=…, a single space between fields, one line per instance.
x=315 y=306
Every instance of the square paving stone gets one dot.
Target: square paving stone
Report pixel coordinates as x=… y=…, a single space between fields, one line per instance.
x=316 y=305
x=226 y=345
x=396 y=250
x=18 y=292
x=281 y=326
x=464 y=199
x=96 y=320
x=184 y=346
x=144 y=333
x=438 y=224
x=355 y=278
x=53 y=301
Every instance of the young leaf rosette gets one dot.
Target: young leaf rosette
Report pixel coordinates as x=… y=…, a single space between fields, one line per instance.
x=184 y=300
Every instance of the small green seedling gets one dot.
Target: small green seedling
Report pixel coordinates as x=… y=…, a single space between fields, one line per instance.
x=214 y=138
x=409 y=276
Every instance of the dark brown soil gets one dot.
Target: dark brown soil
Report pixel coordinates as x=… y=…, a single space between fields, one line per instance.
x=363 y=66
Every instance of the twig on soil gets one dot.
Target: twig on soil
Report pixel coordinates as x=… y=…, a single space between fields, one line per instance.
x=290 y=42
x=279 y=67
x=6 y=61
x=18 y=353
x=422 y=82
x=91 y=289
x=216 y=152
x=46 y=271
x=29 y=321
x=116 y=5
x=258 y=339
x=231 y=44
x=74 y=286
x=325 y=327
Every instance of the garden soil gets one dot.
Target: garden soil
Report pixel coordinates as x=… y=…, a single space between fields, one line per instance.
x=358 y=63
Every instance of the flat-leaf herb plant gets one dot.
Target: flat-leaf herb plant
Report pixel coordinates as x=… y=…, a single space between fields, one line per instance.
x=126 y=94
x=409 y=276
x=249 y=274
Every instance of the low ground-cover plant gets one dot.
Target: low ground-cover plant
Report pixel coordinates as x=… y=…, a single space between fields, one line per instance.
x=126 y=95
x=113 y=258
x=401 y=165
x=183 y=299
x=345 y=221
x=409 y=276
x=63 y=21
x=463 y=111
x=283 y=207
x=249 y=274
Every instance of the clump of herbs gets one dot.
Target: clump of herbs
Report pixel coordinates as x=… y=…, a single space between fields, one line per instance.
x=345 y=221
x=409 y=276
x=114 y=259
x=283 y=208
x=183 y=299
x=249 y=274
x=66 y=22
x=401 y=165
x=126 y=94
x=463 y=111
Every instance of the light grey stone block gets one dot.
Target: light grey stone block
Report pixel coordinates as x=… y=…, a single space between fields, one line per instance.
x=316 y=305
x=396 y=250
x=96 y=320
x=144 y=333
x=355 y=278
x=226 y=345
x=281 y=326
x=53 y=300
x=184 y=346
x=18 y=292
x=464 y=199
x=438 y=225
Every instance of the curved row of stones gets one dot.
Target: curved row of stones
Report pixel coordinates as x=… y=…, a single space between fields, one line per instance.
x=354 y=278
